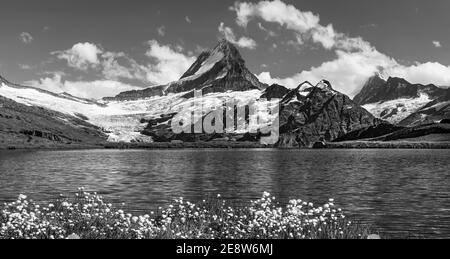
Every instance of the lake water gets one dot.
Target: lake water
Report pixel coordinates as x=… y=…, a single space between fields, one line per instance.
x=401 y=192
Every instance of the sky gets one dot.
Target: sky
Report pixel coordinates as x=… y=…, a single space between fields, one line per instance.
x=99 y=48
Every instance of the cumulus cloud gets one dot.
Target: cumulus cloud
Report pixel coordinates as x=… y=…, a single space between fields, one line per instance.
x=81 y=55
x=355 y=61
x=118 y=65
x=84 y=89
x=26 y=37
x=243 y=42
x=163 y=64
x=437 y=44
x=169 y=63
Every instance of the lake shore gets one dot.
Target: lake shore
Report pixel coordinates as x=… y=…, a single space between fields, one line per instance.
x=232 y=145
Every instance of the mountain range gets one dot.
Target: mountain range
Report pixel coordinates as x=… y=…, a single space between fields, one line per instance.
x=400 y=102
x=308 y=115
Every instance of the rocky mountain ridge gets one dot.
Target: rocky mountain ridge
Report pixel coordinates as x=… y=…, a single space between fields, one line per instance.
x=401 y=102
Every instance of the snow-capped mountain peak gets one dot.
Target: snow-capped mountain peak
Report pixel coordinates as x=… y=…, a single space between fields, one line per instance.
x=396 y=100
x=224 y=51
x=221 y=69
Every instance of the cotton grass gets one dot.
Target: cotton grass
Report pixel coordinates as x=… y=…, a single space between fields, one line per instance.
x=87 y=216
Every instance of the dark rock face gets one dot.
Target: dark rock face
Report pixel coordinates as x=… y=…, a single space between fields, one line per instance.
x=378 y=90
x=275 y=92
x=370 y=91
x=219 y=70
x=323 y=114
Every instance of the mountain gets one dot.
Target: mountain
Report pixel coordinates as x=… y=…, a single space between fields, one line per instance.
x=308 y=114
x=319 y=113
x=32 y=126
x=218 y=70
x=400 y=102
x=377 y=89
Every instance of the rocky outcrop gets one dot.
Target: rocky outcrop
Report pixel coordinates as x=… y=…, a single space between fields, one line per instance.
x=320 y=114
x=371 y=90
x=275 y=91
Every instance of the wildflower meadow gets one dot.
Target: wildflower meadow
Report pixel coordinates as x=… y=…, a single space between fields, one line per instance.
x=87 y=216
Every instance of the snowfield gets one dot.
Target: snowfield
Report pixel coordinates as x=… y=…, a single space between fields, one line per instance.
x=397 y=110
x=122 y=119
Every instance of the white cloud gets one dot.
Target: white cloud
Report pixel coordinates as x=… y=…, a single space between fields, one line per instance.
x=116 y=65
x=26 y=37
x=347 y=72
x=163 y=64
x=161 y=31
x=94 y=89
x=166 y=63
x=81 y=55
x=356 y=59
x=278 y=12
x=188 y=19
x=169 y=63
x=437 y=44
x=269 y=32
x=243 y=42
x=305 y=24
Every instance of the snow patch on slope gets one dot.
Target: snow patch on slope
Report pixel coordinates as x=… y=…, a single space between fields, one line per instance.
x=122 y=119
x=184 y=108
x=397 y=110
x=206 y=66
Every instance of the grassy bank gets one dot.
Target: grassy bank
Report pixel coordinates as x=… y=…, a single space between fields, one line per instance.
x=87 y=216
x=388 y=145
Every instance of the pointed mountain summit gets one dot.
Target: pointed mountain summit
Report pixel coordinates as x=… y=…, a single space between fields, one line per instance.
x=218 y=70
x=370 y=90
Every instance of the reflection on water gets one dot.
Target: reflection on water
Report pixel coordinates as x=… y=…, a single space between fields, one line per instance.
x=399 y=191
